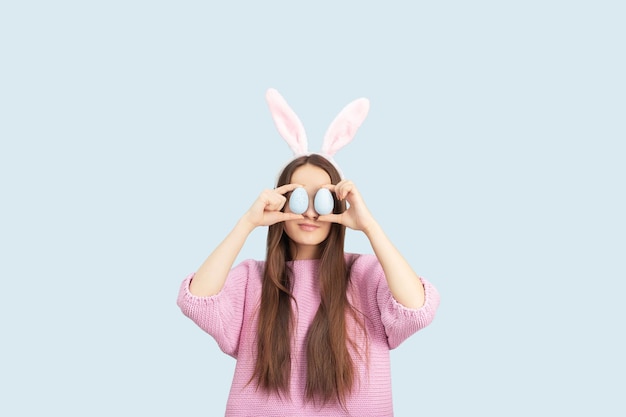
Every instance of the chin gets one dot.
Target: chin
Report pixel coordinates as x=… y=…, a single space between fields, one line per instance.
x=308 y=240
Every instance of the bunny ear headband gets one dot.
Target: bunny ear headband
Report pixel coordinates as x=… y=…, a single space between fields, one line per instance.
x=340 y=132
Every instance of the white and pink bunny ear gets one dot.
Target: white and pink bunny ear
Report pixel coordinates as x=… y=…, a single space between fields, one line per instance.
x=342 y=130
x=287 y=122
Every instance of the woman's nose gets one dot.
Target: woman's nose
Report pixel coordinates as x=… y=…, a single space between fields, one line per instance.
x=310 y=211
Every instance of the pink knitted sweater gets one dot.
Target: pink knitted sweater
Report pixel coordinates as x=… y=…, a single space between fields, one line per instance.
x=230 y=318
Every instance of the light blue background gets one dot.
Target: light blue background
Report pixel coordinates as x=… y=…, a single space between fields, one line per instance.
x=135 y=133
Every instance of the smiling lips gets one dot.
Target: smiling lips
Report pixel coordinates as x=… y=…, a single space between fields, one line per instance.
x=308 y=227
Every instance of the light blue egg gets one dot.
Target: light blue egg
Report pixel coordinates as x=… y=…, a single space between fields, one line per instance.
x=299 y=201
x=323 y=202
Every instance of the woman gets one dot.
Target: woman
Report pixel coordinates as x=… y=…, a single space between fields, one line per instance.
x=311 y=327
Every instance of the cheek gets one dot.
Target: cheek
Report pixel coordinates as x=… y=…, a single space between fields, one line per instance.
x=289 y=227
x=325 y=230
x=320 y=236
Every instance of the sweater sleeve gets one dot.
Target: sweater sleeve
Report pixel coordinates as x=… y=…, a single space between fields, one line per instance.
x=399 y=321
x=220 y=315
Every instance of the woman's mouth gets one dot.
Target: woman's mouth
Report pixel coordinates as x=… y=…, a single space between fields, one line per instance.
x=308 y=227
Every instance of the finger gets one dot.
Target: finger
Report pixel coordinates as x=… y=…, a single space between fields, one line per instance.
x=275 y=203
x=278 y=216
x=291 y=216
x=271 y=200
x=286 y=188
x=331 y=218
x=344 y=188
x=263 y=200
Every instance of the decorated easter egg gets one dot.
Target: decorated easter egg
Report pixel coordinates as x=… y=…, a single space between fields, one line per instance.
x=299 y=201
x=324 y=202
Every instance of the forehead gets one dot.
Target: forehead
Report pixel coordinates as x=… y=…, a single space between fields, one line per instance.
x=310 y=176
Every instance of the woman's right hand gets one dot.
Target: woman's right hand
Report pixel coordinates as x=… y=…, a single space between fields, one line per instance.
x=266 y=210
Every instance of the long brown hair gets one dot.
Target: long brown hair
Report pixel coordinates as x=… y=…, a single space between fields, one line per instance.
x=330 y=369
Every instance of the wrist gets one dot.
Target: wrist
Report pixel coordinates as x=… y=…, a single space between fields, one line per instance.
x=372 y=229
x=245 y=225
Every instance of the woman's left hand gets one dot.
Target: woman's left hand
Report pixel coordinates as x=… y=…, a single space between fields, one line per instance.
x=357 y=216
